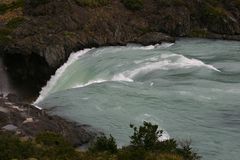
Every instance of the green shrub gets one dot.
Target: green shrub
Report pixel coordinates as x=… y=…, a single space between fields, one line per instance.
x=12 y=148
x=169 y=3
x=4 y=35
x=212 y=15
x=92 y=3
x=132 y=153
x=166 y=146
x=145 y=136
x=3 y=8
x=104 y=144
x=163 y=156
x=55 y=147
x=51 y=146
x=15 y=22
x=35 y=3
x=198 y=33
x=133 y=4
x=16 y=4
x=236 y=3
x=51 y=139
x=187 y=152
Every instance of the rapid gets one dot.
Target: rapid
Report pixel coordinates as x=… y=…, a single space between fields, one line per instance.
x=191 y=89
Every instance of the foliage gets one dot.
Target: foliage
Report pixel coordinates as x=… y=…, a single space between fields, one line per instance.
x=4 y=35
x=169 y=3
x=3 y=8
x=104 y=144
x=198 y=33
x=52 y=146
x=236 y=3
x=145 y=136
x=187 y=151
x=15 y=22
x=213 y=15
x=92 y=3
x=132 y=153
x=12 y=148
x=163 y=156
x=96 y=156
x=35 y=3
x=133 y=4
x=55 y=146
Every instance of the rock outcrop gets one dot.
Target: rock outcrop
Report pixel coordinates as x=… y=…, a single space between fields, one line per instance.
x=27 y=121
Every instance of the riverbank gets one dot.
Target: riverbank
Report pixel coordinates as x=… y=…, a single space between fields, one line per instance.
x=27 y=121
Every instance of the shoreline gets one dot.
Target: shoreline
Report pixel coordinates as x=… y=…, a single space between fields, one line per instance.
x=27 y=121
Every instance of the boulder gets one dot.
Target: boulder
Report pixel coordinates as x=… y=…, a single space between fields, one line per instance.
x=10 y=127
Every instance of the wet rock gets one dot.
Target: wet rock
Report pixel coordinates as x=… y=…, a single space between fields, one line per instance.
x=28 y=121
x=10 y=127
x=154 y=38
x=13 y=98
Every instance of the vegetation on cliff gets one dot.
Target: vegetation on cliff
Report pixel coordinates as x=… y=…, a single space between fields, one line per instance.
x=50 y=146
x=92 y=3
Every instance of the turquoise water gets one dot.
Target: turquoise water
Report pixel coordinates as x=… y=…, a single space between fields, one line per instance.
x=191 y=89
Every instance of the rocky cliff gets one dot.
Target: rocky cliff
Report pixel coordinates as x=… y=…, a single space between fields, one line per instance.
x=39 y=37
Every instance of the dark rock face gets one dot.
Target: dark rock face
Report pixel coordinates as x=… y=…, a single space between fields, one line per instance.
x=31 y=70
x=28 y=121
x=53 y=30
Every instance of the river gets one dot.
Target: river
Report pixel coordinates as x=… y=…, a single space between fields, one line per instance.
x=191 y=89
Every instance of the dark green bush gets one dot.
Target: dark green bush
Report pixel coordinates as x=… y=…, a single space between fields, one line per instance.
x=15 y=22
x=187 y=152
x=132 y=153
x=145 y=136
x=3 y=8
x=35 y=3
x=51 y=139
x=104 y=144
x=51 y=146
x=166 y=146
x=236 y=3
x=12 y=148
x=55 y=146
x=4 y=35
x=92 y=3
x=133 y=4
x=169 y=3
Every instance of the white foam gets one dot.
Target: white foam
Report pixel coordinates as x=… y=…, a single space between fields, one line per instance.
x=150 y=47
x=165 y=45
x=121 y=77
x=50 y=84
x=89 y=83
x=165 y=136
x=118 y=78
x=167 y=62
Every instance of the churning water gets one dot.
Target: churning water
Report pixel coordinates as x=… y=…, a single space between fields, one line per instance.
x=191 y=89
